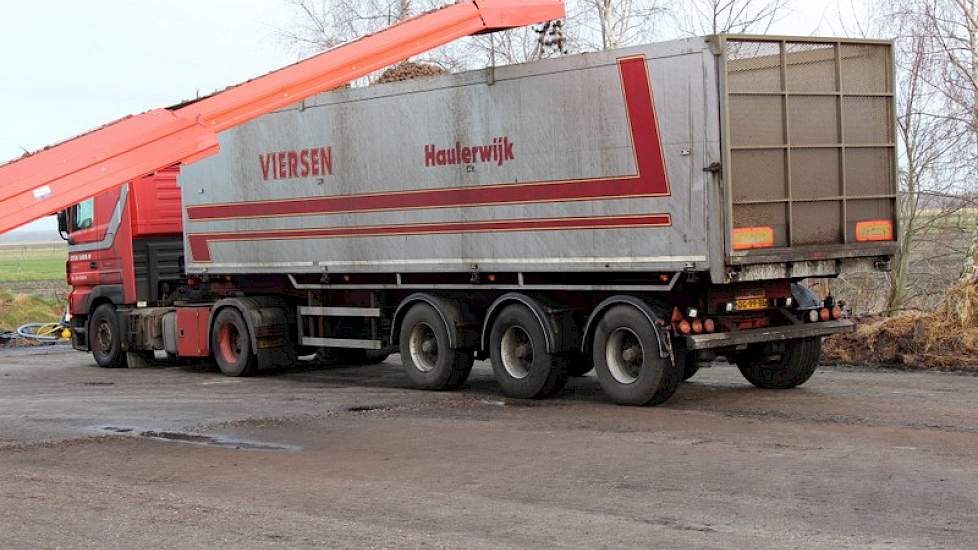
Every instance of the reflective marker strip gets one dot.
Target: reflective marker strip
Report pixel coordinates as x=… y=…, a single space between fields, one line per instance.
x=747 y=238
x=876 y=230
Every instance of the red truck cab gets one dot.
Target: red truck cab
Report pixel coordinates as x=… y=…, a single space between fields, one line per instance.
x=125 y=247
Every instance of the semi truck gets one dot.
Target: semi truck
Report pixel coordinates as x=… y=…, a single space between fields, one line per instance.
x=637 y=212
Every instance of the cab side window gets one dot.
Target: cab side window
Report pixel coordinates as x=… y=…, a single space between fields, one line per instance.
x=83 y=215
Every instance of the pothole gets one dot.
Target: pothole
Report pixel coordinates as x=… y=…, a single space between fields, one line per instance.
x=365 y=408
x=200 y=439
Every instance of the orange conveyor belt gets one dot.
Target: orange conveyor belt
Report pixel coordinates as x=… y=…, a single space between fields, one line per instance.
x=64 y=174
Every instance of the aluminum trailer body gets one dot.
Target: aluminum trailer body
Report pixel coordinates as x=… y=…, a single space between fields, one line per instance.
x=639 y=212
x=599 y=162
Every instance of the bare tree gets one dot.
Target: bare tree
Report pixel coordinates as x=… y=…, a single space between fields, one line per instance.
x=929 y=153
x=610 y=24
x=702 y=17
x=323 y=24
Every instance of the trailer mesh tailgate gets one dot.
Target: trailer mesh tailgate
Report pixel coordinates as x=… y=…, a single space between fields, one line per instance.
x=810 y=140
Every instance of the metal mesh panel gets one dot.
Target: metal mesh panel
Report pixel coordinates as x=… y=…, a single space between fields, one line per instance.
x=765 y=215
x=816 y=174
x=765 y=169
x=811 y=67
x=756 y=120
x=754 y=67
x=816 y=222
x=868 y=120
x=869 y=172
x=865 y=69
x=868 y=209
x=810 y=133
x=814 y=120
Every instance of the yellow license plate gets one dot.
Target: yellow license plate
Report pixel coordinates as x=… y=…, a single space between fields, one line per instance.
x=751 y=304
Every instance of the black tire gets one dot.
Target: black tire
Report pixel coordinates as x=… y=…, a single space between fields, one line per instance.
x=105 y=338
x=231 y=344
x=626 y=358
x=520 y=361
x=426 y=354
x=791 y=369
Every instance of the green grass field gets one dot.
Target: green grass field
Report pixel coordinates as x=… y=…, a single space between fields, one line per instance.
x=29 y=263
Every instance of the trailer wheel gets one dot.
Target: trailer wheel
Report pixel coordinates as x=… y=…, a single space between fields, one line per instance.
x=105 y=338
x=426 y=353
x=231 y=344
x=785 y=371
x=520 y=360
x=626 y=358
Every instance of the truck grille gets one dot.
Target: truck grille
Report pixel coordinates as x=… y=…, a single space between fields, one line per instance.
x=810 y=137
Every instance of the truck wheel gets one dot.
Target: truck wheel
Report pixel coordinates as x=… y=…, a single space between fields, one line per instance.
x=105 y=338
x=231 y=344
x=428 y=358
x=626 y=357
x=520 y=361
x=788 y=370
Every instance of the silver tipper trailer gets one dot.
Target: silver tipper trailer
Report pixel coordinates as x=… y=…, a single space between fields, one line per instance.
x=638 y=211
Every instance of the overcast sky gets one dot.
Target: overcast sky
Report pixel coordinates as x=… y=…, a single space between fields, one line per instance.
x=69 y=66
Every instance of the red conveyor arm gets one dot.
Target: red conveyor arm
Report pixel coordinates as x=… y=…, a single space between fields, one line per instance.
x=65 y=174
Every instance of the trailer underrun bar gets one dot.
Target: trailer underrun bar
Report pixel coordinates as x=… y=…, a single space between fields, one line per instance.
x=67 y=173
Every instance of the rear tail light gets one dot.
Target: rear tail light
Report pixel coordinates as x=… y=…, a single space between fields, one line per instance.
x=698 y=327
x=824 y=314
x=709 y=326
x=837 y=313
x=676 y=315
x=685 y=327
x=813 y=316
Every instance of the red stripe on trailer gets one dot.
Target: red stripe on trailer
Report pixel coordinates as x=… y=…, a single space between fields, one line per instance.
x=651 y=179
x=201 y=252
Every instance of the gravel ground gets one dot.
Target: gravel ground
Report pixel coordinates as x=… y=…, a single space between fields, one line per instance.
x=349 y=457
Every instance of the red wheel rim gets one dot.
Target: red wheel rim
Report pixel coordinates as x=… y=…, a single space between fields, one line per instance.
x=230 y=341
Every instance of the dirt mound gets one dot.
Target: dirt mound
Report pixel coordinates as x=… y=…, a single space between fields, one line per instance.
x=409 y=70
x=945 y=338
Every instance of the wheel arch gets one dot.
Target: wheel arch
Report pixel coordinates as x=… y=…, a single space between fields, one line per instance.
x=250 y=309
x=651 y=312
x=548 y=323
x=449 y=311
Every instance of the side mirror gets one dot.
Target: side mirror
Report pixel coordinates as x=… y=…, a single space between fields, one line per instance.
x=63 y=224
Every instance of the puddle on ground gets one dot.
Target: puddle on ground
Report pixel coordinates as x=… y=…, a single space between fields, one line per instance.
x=199 y=439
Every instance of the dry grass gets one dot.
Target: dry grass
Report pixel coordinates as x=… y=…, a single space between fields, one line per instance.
x=20 y=309
x=945 y=338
